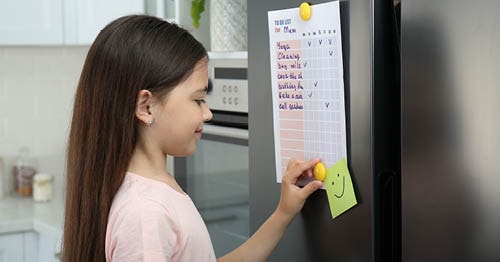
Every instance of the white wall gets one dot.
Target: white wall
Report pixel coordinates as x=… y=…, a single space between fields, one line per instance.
x=37 y=86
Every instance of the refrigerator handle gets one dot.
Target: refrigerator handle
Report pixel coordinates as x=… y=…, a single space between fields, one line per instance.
x=386 y=132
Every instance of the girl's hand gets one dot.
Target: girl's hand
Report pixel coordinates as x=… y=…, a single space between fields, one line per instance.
x=262 y=243
x=292 y=196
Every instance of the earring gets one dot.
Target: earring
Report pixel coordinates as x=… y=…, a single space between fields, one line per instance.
x=150 y=122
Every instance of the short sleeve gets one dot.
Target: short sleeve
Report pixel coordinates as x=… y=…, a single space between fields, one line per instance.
x=141 y=230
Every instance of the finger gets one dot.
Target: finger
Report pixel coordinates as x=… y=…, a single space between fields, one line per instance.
x=306 y=167
x=309 y=172
x=296 y=168
x=310 y=188
x=292 y=162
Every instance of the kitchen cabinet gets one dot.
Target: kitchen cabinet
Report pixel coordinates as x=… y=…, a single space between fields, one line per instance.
x=31 y=22
x=29 y=246
x=83 y=19
x=9 y=247
x=49 y=248
x=77 y=22
x=31 y=231
x=58 y=22
x=20 y=247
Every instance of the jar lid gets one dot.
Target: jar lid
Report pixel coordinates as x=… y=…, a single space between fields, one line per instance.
x=42 y=177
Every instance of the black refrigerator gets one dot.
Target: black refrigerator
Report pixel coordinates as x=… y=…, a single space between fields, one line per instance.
x=422 y=85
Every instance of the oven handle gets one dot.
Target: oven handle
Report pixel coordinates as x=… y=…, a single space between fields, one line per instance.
x=224 y=131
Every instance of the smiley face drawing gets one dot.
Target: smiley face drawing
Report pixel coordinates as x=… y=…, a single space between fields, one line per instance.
x=339 y=188
x=335 y=185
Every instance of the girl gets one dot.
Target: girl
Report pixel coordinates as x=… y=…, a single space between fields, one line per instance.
x=140 y=97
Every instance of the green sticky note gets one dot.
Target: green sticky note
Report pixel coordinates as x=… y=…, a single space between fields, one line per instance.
x=339 y=188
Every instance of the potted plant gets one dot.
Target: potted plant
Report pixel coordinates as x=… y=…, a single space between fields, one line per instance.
x=197 y=8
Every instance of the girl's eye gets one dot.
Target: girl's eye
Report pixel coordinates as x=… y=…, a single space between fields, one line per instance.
x=200 y=101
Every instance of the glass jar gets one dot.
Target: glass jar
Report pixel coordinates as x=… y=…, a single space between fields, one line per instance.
x=23 y=172
x=42 y=187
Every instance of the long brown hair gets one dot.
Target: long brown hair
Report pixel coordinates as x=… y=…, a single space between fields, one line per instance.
x=130 y=54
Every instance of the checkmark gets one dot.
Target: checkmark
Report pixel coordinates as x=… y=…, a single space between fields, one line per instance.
x=305 y=64
x=310 y=94
x=315 y=83
x=327 y=104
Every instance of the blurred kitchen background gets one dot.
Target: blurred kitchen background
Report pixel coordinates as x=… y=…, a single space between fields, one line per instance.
x=43 y=45
x=36 y=92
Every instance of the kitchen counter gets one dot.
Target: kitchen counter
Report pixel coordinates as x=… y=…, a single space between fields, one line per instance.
x=21 y=214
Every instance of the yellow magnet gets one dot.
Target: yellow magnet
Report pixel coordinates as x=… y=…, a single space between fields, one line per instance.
x=320 y=171
x=305 y=11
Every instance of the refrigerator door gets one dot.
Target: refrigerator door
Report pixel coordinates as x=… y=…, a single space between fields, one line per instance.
x=314 y=235
x=450 y=137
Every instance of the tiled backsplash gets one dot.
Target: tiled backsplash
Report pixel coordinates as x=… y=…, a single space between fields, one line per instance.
x=37 y=85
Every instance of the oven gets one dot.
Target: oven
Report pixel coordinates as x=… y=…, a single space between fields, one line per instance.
x=227 y=94
x=216 y=176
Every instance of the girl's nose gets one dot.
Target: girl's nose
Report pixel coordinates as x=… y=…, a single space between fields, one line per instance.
x=207 y=114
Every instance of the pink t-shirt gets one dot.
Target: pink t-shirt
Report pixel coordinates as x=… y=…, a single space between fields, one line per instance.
x=150 y=221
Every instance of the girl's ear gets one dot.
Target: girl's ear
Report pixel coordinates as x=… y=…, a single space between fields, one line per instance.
x=143 y=107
